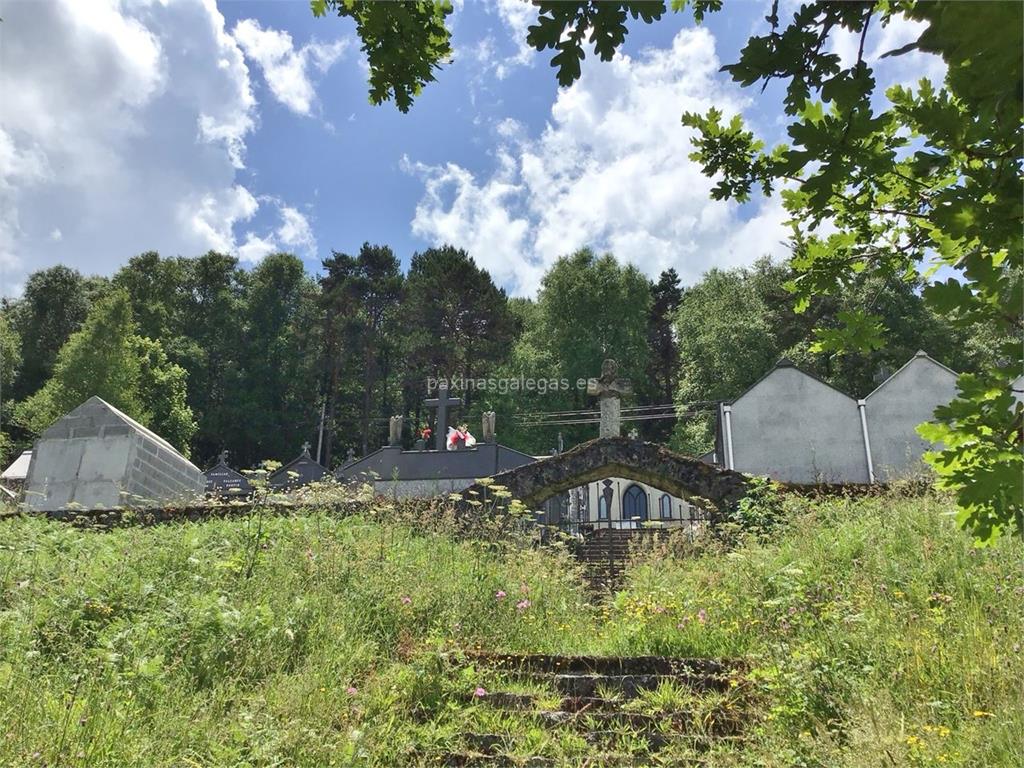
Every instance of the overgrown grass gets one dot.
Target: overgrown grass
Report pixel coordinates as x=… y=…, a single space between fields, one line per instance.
x=875 y=634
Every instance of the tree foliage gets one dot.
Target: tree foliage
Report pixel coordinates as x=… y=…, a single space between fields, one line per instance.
x=404 y=43
x=107 y=358
x=52 y=307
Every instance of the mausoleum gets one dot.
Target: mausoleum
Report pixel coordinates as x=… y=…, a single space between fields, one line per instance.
x=97 y=457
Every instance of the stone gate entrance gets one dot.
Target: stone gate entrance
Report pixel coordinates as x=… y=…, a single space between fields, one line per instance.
x=715 y=488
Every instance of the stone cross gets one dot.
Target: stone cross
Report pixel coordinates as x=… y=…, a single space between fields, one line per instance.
x=350 y=456
x=305 y=448
x=442 y=402
x=223 y=458
x=610 y=388
x=487 y=427
x=634 y=435
x=395 y=431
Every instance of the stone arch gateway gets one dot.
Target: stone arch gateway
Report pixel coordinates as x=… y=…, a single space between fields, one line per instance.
x=682 y=476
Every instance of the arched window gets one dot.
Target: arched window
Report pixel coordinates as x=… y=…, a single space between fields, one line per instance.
x=665 y=503
x=602 y=508
x=634 y=504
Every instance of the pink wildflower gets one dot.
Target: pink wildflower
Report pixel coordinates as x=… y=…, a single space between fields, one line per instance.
x=500 y=594
x=351 y=690
x=523 y=604
x=406 y=600
x=480 y=692
x=702 y=616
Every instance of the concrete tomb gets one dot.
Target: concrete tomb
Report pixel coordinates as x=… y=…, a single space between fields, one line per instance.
x=302 y=470
x=97 y=457
x=13 y=478
x=424 y=473
x=222 y=480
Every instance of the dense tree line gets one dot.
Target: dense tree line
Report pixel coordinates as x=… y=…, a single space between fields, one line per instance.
x=213 y=356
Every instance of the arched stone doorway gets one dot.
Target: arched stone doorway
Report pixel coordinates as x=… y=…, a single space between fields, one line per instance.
x=717 y=489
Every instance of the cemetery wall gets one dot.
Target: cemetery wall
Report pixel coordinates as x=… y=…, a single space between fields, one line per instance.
x=795 y=428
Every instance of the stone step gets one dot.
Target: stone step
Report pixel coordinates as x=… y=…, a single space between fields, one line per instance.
x=627 y=686
x=607 y=665
x=679 y=723
x=511 y=701
x=649 y=741
x=470 y=760
x=591 y=760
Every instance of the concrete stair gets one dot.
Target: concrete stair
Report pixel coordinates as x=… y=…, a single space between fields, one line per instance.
x=604 y=554
x=594 y=695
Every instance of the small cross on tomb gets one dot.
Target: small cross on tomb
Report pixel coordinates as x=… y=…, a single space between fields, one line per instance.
x=609 y=388
x=442 y=402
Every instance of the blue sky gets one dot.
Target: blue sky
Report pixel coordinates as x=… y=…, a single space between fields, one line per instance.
x=181 y=126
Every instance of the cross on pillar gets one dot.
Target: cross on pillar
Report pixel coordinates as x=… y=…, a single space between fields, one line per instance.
x=609 y=388
x=442 y=402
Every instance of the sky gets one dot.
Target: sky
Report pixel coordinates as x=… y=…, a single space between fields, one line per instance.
x=183 y=126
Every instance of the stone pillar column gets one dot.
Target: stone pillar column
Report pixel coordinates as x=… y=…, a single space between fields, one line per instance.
x=395 y=431
x=487 y=427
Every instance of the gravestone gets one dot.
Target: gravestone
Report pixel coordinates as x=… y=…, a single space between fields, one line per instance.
x=222 y=480
x=97 y=457
x=609 y=388
x=442 y=403
x=300 y=471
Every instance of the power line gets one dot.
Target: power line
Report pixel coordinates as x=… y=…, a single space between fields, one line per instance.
x=631 y=409
x=649 y=417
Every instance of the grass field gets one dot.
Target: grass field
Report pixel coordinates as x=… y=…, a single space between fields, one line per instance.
x=876 y=636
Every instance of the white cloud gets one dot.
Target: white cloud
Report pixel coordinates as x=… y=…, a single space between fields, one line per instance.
x=906 y=69
x=610 y=170
x=130 y=139
x=255 y=248
x=286 y=69
x=517 y=15
x=294 y=234
x=295 y=231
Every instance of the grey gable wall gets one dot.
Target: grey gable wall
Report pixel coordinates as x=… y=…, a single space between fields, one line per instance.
x=797 y=429
x=907 y=398
x=97 y=457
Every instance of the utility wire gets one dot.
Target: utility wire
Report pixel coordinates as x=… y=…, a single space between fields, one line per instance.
x=598 y=421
